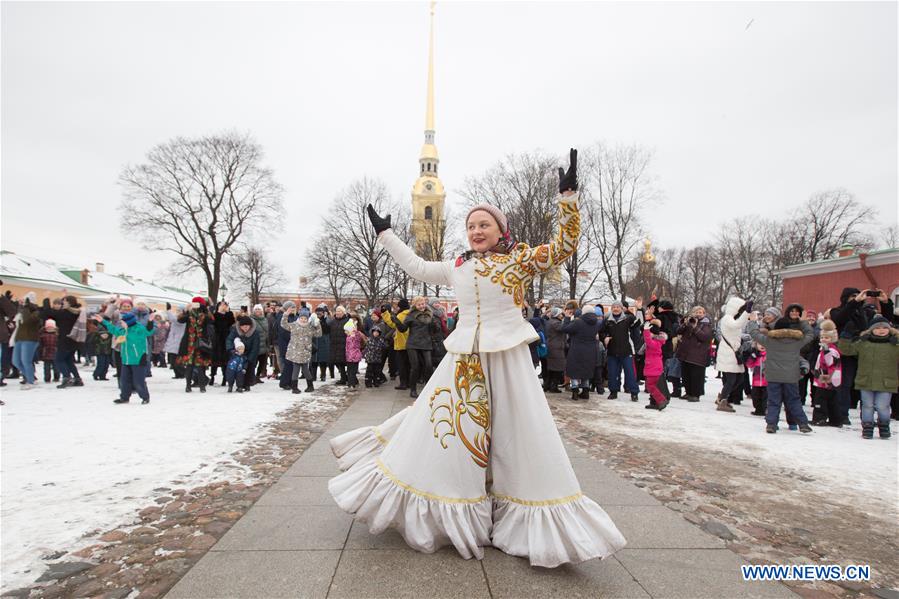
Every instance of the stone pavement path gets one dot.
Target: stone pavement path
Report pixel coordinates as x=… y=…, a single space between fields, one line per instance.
x=295 y=542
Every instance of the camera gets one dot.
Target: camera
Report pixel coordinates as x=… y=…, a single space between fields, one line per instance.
x=873 y=293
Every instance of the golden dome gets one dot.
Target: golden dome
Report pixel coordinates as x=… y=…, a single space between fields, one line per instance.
x=428 y=151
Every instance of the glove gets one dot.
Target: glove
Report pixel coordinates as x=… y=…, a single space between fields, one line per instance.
x=568 y=181
x=747 y=307
x=380 y=224
x=168 y=306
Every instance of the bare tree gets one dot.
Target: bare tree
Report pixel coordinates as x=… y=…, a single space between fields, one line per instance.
x=252 y=270
x=742 y=250
x=620 y=179
x=363 y=262
x=889 y=237
x=326 y=265
x=196 y=198
x=828 y=220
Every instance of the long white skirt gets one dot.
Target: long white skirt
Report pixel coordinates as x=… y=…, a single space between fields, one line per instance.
x=475 y=461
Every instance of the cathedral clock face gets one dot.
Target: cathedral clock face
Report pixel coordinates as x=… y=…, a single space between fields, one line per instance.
x=429 y=187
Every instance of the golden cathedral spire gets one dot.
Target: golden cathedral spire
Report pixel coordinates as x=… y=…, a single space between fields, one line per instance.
x=428 y=194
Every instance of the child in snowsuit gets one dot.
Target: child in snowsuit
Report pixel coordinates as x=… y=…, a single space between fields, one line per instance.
x=133 y=348
x=303 y=332
x=653 y=365
x=878 y=354
x=755 y=362
x=237 y=367
x=354 y=343
x=47 y=350
x=375 y=350
x=827 y=374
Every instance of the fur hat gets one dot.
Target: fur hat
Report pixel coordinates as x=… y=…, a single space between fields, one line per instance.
x=50 y=323
x=665 y=305
x=828 y=331
x=571 y=305
x=288 y=305
x=403 y=304
x=129 y=318
x=304 y=312
x=493 y=211
x=794 y=307
x=245 y=321
x=199 y=300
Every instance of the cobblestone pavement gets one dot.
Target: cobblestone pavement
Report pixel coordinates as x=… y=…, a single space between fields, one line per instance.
x=762 y=513
x=145 y=557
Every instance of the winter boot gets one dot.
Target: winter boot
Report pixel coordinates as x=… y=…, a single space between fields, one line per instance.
x=120 y=400
x=771 y=428
x=574 y=394
x=613 y=395
x=413 y=392
x=295 y=387
x=144 y=401
x=805 y=428
x=65 y=384
x=664 y=404
x=723 y=406
x=883 y=429
x=77 y=382
x=651 y=406
x=634 y=397
x=867 y=430
x=231 y=388
x=309 y=386
x=585 y=394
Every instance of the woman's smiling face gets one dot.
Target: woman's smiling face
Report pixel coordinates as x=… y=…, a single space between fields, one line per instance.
x=483 y=231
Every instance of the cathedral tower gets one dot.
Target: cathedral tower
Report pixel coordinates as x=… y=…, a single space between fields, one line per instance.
x=428 y=195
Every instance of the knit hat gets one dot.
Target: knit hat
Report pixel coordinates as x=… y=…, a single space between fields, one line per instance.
x=493 y=211
x=349 y=326
x=129 y=318
x=555 y=312
x=811 y=313
x=666 y=305
x=828 y=331
x=879 y=322
x=403 y=304
x=376 y=313
x=199 y=300
x=258 y=307
x=245 y=321
x=304 y=312
x=773 y=311
x=288 y=305
x=617 y=303
x=50 y=323
x=238 y=344
x=125 y=300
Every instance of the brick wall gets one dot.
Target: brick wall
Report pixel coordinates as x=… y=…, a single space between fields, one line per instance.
x=822 y=291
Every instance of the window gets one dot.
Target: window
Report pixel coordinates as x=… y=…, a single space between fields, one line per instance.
x=429 y=213
x=429 y=167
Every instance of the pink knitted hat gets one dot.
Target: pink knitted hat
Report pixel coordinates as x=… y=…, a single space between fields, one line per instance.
x=495 y=212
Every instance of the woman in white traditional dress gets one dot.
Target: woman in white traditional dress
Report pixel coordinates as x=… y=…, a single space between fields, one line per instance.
x=477 y=460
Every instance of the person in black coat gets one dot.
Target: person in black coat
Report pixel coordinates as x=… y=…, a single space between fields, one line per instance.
x=852 y=317
x=338 y=341
x=421 y=326
x=670 y=322
x=65 y=350
x=247 y=330
x=580 y=365
x=616 y=331
x=222 y=321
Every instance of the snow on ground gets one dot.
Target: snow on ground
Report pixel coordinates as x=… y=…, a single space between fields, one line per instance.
x=74 y=462
x=843 y=466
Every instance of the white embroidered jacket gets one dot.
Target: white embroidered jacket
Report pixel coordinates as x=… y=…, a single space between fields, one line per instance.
x=490 y=287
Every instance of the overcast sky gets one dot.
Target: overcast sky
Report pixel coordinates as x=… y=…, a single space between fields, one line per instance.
x=749 y=107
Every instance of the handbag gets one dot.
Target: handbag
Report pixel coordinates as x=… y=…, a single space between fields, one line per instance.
x=542 y=350
x=738 y=353
x=78 y=334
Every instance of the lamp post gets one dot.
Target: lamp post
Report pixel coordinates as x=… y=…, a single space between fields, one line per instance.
x=223 y=289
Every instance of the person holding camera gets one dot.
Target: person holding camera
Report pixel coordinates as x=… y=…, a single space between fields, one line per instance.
x=696 y=334
x=853 y=316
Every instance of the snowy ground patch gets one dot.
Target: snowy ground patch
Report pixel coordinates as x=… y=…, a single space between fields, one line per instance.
x=834 y=461
x=73 y=462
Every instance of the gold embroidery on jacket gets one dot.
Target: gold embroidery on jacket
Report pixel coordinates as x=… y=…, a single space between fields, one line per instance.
x=513 y=272
x=472 y=401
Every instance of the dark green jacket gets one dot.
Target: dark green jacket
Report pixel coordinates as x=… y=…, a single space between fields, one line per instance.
x=878 y=360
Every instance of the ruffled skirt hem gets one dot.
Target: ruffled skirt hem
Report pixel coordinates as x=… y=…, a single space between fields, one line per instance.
x=549 y=533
